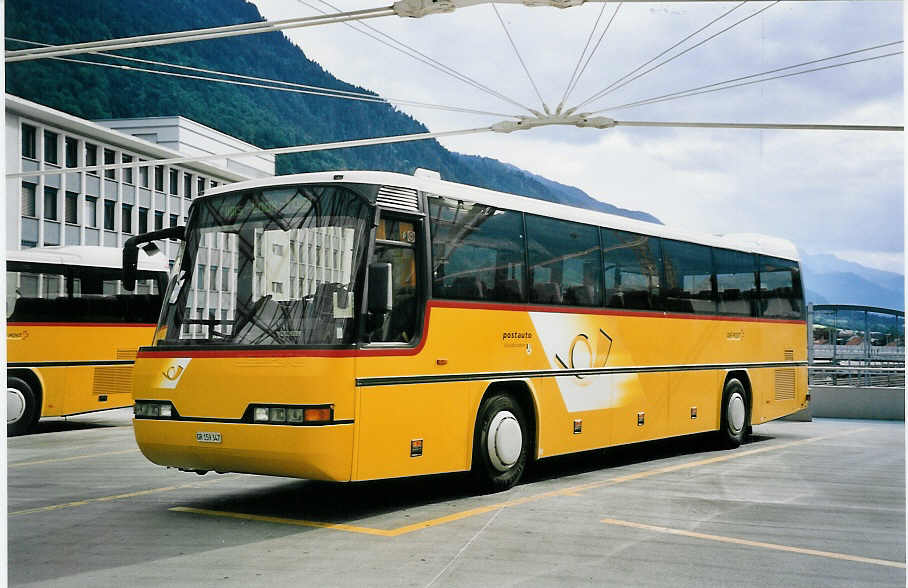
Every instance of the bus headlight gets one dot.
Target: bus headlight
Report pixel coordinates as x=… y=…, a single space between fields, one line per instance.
x=153 y=409
x=290 y=415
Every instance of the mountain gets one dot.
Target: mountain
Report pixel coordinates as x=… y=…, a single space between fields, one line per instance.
x=831 y=280
x=266 y=118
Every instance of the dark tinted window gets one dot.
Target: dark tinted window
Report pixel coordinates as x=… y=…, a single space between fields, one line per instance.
x=633 y=267
x=52 y=293
x=477 y=251
x=72 y=154
x=688 y=277
x=565 y=264
x=50 y=147
x=736 y=282
x=780 y=289
x=28 y=141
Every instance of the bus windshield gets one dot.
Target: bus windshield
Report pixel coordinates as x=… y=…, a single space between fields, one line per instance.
x=274 y=266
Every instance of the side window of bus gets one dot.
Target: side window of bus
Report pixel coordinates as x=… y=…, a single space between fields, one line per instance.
x=395 y=243
x=736 y=282
x=565 y=264
x=477 y=251
x=35 y=296
x=780 y=289
x=633 y=266
x=688 y=277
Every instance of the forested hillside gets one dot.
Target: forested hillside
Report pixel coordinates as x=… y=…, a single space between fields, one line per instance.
x=265 y=118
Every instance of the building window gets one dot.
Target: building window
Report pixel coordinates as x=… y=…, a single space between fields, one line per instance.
x=200 y=278
x=91 y=211
x=28 y=142
x=173 y=220
x=50 y=147
x=143 y=220
x=158 y=220
x=213 y=282
x=187 y=185
x=126 y=218
x=28 y=200
x=225 y=279
x=91 y=157
x=277 y=249
x=200 y=186
x=214 y=184
x=174 y=181
x=50 y=203
x=127 y=171
x=72 y=151
x=143 y=176
x=109 y=207
x=110 y=158
x=72 y=208
x=159 y=178
x=277 y=287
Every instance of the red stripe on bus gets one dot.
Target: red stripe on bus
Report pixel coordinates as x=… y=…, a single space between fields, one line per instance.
x=41 y=324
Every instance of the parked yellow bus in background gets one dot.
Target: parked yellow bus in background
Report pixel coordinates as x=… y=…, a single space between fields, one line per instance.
x=72 y=332
x=388 y=325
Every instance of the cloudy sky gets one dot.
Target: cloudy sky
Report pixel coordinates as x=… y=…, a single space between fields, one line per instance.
x=828 y=191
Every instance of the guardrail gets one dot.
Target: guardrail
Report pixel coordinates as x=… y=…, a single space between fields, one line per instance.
x=856 y=376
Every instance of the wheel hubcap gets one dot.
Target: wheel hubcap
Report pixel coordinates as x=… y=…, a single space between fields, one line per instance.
x=15 y=405
x=505 y=441
x=736 y=413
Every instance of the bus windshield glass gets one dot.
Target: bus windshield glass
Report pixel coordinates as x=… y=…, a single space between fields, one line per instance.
x=273 y=266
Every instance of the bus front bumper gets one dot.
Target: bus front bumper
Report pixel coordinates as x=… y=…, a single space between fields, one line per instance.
x=313 y=452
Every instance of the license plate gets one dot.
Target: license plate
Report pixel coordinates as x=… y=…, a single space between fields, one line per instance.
x=207 y=437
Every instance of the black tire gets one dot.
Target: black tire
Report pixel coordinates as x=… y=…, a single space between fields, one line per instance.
x=735 y=414
x=500 y=466
x=22 y=407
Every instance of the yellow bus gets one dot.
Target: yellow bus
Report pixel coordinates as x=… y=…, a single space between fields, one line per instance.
x=388 y=325
x=72 y=332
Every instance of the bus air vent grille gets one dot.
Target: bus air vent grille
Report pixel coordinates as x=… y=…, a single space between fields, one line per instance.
x=785 y=384
x=399 y=198
x=115 y=379
x=789 y=355
x=126 y=354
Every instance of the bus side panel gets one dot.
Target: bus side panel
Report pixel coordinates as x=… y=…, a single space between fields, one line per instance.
x=73 y=389
x=414 y=429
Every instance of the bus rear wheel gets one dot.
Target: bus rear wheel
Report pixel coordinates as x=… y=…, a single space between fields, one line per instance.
x=735 y=414
x=500 y=444
x=21 y=407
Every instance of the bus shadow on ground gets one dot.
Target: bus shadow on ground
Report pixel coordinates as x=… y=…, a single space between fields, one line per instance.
x=351 y=502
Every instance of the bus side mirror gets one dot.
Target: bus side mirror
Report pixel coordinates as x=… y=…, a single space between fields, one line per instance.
x=131 y=252
x=380 y=288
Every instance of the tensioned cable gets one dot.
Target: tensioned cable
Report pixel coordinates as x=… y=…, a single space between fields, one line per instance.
x=292 y=86
x=603 y=93
x=259 y=151
x=327 y=94
x=589 y=39
x=704 y=90
x=588 y=59
x=195 y=34
x=682 y=41
x=780 y=126
x=402 y=47
x=519 y=57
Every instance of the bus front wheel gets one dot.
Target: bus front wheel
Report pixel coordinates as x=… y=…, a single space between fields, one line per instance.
x=21 y=406
x=735 y=414
x=500 y=444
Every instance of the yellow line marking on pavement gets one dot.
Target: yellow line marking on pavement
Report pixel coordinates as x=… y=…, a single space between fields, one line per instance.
x=571 y=491
x=114 y=497
x=775 y=546
x=283 y=521
x=73 y=458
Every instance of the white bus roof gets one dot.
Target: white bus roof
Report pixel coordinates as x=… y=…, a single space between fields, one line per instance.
x=88 y=256
x=755 y=243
